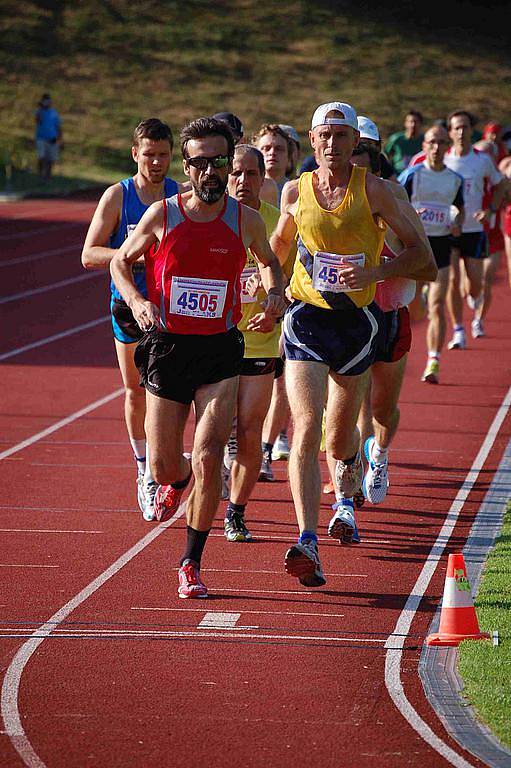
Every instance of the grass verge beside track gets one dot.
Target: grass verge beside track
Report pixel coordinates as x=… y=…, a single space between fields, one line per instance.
x=485 y=668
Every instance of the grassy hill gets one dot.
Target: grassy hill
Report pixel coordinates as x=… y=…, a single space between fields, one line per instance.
x=110 y=63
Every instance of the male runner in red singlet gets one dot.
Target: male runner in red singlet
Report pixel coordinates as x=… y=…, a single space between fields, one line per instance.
x=195 y=251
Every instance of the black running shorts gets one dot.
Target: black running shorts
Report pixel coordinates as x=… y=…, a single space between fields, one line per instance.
x=258 y=366
x=174 y=366
x=395 y=337
x=441 y=247
x=472 y=245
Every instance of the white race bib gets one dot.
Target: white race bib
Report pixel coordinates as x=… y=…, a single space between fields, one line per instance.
x=198 y=297
x=246 y=298
x=325 y=276
x=435 y=217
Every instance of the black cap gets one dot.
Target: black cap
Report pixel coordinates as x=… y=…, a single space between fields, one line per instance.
x=232 y=121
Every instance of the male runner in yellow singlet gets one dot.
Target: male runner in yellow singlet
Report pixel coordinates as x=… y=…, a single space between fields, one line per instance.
x=330 y=330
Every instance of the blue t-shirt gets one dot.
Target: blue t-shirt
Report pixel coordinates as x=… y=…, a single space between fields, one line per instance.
x=132 y=211
x=48 y=124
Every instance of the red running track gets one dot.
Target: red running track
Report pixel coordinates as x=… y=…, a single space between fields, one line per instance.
x=102 y=664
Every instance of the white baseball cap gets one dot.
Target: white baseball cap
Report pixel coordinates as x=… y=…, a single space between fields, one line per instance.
x=291 y=132
x=349 y=116
x=368 y=129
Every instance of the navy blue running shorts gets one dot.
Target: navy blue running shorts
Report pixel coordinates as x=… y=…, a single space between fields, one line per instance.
x=344 y=339
x=471 y=245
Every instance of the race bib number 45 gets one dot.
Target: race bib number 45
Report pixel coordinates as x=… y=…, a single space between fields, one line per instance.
x=197 y=297
x=326 y=277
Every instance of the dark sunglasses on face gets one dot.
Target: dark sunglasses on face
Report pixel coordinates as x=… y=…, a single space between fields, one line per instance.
x=201 y=162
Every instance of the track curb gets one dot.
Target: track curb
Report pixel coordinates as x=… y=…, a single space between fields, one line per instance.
x=438 y=666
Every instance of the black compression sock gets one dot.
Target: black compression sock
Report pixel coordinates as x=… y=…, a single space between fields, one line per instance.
x=231 y=507
x=195 y=543
x=182 y=483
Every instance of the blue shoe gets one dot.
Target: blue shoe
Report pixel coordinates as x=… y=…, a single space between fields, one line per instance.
x=376 y=480
x=343 y=525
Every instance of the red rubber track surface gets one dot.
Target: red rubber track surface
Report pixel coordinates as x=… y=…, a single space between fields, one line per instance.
x=128 y=678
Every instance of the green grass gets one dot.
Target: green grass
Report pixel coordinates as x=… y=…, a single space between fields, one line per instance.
x=486 y=669
x=110 y=63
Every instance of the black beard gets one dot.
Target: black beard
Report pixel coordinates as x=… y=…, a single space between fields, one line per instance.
x=210 y=195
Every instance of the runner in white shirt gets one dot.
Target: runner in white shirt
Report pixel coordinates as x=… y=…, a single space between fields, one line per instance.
x=433 y=189
x=477 y=170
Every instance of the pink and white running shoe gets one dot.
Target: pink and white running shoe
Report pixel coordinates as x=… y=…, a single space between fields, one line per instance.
x=190 y=584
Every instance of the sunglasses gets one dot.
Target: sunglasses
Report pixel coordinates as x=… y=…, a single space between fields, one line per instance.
x=201 y=162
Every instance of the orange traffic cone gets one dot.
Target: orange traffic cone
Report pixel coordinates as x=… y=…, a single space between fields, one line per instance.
x=458 y=620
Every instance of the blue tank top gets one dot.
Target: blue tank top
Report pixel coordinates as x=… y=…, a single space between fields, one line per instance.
x=132 y=211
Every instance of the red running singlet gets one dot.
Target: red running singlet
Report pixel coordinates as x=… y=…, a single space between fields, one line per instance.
x=193 y=277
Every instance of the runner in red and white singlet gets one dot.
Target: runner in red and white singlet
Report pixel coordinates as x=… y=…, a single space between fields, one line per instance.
x=195 y=250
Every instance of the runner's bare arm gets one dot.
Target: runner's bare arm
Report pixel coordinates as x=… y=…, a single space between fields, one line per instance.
x=270 y=192
x=415 y=261
x=254 y=237
x=285 y=231
x=106 y=219
x=148 y=231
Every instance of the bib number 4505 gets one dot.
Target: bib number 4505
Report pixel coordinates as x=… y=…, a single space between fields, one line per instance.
x=201 y=301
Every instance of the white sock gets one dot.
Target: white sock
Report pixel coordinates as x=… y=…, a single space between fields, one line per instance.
x=379 y=454
x=434 y=355
x=139 y=449
x=148 y=478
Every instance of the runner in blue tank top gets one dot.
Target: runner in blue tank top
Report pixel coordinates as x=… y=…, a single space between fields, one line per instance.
x=119 y=210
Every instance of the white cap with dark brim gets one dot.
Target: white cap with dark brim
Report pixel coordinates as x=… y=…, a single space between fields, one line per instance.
x=349 y=115
x=368 y=129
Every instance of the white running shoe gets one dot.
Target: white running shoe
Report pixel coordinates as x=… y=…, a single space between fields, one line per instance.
x=149 y=493
x=477 y=329
x=303 y=561
x=281 y=448
x=342 y=525
x=348 y=477
x=376 y=480
x=458 y=340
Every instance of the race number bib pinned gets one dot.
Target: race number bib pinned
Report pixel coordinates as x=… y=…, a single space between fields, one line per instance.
x=247 y=273
x=326 y=277
x=197 y=297
x=433 y=214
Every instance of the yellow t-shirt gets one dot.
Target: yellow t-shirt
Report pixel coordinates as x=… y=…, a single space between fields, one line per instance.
x=258 y=345
x=348 y=230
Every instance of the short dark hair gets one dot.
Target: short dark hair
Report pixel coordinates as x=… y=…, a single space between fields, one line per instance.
x=203 y=127
x=154 y=130
x=457 y=113
x=365 y=147
x=232 y=121
x=415 y=113
x=246 y=148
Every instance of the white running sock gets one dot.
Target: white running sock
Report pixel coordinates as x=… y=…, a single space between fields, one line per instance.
x=378 y=454
x=139 y=449
x=148 y=478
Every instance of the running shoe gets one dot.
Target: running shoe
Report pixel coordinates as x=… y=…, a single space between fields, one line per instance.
x=458 y=340
x=329 y=487
x=190 y=584
x=376 y=480
x=477 y=329
x=302 y=561
x=140 y=488
x=266 y=472
x=342 y=525
x=359 y=499
x=149 y=493
x=431 y=371
x=166 y=501
x=281 y=448
x=348 y=477
x=235 y=528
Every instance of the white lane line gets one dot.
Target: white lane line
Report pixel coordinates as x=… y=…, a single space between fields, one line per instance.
x=26 y=565
x=12 y=680
x=218 y=620
x=291 y=539
x=192 y=634
x=42 y=530
x=41 y=255
x=51 y=286
x=54 y=337
x=397 y=638
x=62 y=423
x=256 y=613
x=278 y=573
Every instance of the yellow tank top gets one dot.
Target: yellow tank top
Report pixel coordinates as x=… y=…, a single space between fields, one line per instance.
x=348 y=230
x=258 y=344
